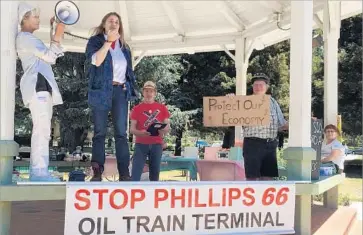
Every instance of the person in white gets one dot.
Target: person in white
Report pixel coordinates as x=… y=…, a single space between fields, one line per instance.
x=332 y=151
x=38 y=87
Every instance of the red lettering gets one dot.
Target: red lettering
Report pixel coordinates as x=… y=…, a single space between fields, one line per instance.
x=137 y=195
x=281 y=197
x=124 y=201
x=268 y=196
x=160 y=195
x=248 y=194
x=174 y=197
x=83 y=199
x=196 y=200
x=224 y=196
x=190 y=196
x=100 y=196
x=210 y=201
x=233 y=193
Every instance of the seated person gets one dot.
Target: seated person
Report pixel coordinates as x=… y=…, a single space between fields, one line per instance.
x=147 y=146
x=332 y=151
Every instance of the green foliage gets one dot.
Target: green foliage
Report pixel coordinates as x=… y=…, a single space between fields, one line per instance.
x=73 y=114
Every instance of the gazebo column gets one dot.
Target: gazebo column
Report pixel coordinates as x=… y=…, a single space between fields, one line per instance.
x=243 y=52
x=331 y=25
x=8 y=148
x=299 y=153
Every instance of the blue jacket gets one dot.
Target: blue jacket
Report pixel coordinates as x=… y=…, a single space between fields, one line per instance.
x=100 y=78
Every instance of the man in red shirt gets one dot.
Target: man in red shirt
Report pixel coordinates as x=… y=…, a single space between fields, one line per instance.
x=148 y=145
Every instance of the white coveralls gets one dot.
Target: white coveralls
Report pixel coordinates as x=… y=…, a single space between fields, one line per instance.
x=36 y=58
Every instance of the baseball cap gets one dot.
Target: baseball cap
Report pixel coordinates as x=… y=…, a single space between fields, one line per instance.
x=260 y=77
x=24 y=8
x=149 y=84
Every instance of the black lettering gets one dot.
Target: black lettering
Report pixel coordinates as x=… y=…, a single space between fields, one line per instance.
x=197 y=216
x=212 y=102
x=224 y=118
x=256 y=220
x=181 y=224
x=228 y=106
x=277 y=220
x=143 y=224
x=237 y=223
x=99 y=222
x=261 y=120
x=222 y=219
x=81 y=226
x=268 y=220
x=105 y=227
x=128 y=222
x=247 y=104
x=208 y=221
x=247 y=120
x=238 y=108
x=247 y=220
x=158 y=224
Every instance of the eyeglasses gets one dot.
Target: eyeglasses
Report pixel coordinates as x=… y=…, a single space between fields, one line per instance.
x=330 y=131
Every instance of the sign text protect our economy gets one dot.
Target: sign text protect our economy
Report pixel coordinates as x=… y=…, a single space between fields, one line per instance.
x=252 y=110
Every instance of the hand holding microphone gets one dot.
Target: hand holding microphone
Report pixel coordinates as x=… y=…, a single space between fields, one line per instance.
x=113 y=35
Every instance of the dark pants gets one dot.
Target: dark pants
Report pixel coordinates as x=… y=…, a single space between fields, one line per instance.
x=143 y=151
x=260 y=158
x=119 y=112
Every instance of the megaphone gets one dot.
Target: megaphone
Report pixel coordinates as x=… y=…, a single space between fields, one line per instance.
x=66 y=12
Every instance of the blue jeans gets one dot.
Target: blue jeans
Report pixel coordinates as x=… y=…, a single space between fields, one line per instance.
x=143 y=151
x=119 y=112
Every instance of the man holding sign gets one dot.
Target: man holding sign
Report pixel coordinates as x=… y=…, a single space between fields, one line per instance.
x=260 y=142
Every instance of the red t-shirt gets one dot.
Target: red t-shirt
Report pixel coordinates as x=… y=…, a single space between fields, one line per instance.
x=145 y=114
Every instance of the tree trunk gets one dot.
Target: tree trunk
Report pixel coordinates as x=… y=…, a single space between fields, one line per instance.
x=178 y=141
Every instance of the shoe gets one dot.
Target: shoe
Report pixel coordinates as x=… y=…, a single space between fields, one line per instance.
x=42 y=175
x=97 y=171
x=124 y=178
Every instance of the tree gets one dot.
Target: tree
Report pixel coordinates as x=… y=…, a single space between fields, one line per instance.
x=74 y=113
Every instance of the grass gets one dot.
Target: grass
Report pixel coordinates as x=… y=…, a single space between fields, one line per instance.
x=352 y=187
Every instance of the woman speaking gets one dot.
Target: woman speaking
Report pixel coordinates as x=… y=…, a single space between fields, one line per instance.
x=38 y=87
x=111 y=86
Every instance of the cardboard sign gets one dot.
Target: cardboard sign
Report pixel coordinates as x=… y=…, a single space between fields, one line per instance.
x=180 y=208
x=252 y=110
x=316 y=137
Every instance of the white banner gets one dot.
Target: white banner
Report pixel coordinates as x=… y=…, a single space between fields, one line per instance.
x=242 y=207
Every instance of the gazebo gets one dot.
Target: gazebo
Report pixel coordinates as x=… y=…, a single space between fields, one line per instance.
x=174 y=27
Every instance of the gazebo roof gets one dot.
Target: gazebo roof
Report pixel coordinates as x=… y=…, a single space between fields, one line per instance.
x=172 y=27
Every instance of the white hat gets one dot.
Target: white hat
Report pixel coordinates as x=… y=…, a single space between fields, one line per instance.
x=23 y=8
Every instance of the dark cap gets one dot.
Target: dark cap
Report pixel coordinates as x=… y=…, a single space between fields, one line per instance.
x=260 y=77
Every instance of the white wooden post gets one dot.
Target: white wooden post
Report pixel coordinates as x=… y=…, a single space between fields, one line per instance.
x=242 y=56
x=8 y=148
x=331 y=25
x=299 y=153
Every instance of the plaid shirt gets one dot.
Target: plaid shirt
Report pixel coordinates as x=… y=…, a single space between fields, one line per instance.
x=277 y=120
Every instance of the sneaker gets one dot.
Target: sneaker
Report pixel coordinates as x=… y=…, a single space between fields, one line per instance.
x=42 y=175
x=97 y=171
